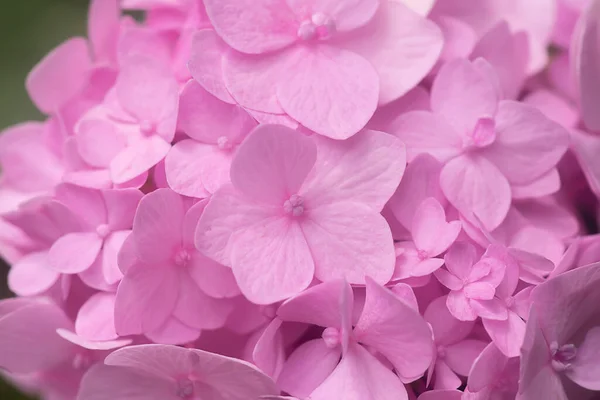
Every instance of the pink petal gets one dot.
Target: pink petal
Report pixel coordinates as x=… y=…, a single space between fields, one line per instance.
x=95 y=152
x=28 y=339
x=479 y=291
x=459 y=38
x=460 y=259
x=103 y=29
x=213 y=278
x=460 y=307
x=486 y=368
x=87 y=204
x=269 y=351
x=406 y=48
x=330 y=91
x=158 y=226
x=152 y=103
x=185 y=164
x=110 y=252
x=91 y=344
x=145 y=299
x=31 y=275
x=320 y=305
x=341 y=248
x=425 y=133
x=441 y=395
x=205 y=63
x=407 y=342
x=446 y=329
x=584 y=369
x=253 y=27
x=490 y=309
x=420 y=181
x=308 y=367
x=427 y=267
x=544 y=186
x=477 y=189
x=121 y=205
x=461 y=356
x=462 y=95
x=228 y=211
x=205 y=118
x=272 y=164
x=445 y=378
x=60 y=76
x=74 y=252
x=271 y=261
x=365 y=168
x=173 y=332
x=430 y=231
x=138 y=158
x=348 y=15
x=360 y=376
x=448 y=279
x=95 y=319
x=508 y=335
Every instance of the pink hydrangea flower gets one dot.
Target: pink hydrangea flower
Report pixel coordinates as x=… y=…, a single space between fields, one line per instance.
x=493 y=376
x=290 y=211
x=484 y=143
x=285 y=58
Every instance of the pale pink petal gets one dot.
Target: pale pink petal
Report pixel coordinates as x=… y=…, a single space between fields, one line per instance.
x=341 y=248
x=138 y=158
x=253 y=27
x=459 y=38
x=508 y=335
x=331 y=91
x=149 y=103
x=32 y=275
x=524 y=133
x=98 y=142
x=28 y=339
x=214 y=279
x=271 y=261
x=584 y=369
x=446 y=329
x=87 y=204
x=427 y=267
x=121 y=205
x=425 y=133
x=365 y=168
x=479 y=291
x=92 y=344
x=462 y=95
x=205 y=63
x=490 y=309
x=554 y=106
x=360 y=376
x=95 y=319
x=308 y=367
x=544 y=186
x=74 y=252
x=384 y=117
x=407 y=48
x=158 y=226
x=272 y=163
x=460 y=259
x=227 y=211
x=461 y=356
x=173 y=332
x=60 y=76
x=486 y=368
x=477 y=189
x=407 y=341
x=460 y=306
x=205 y=118
x=430 y=231
x=110 y=252
x=184 y=165
x=448 y=279
x=145 y=299
x=319 y=305
x=103 y=29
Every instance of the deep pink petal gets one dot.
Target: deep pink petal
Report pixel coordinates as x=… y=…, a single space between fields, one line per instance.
x=271 y=261
x=477 y=189
x=308 y=367
x=331 y=91
x=393 y=328
x=486 y=368
x=272 y=163
x=253 y=27
x=365 y=168
x=402 y=46
x=441 y=395
x=444 y=377
x=461 y=356
x=60 y=76
x=145 y=299
x=462 y=95
x=584 y=369
x=341 y=248
x=508 y=335
x=269 y=352
x=361 y=376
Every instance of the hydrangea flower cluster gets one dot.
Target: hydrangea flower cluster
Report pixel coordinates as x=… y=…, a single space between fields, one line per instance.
x=310 y=200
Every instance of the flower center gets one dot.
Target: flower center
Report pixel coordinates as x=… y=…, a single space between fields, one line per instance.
x=294 y=205
x=147 y=127
x=331 y=337
x=483 y=135
x=319 y=27
x=182 y=257
x=562 y=356
x=223 y=143
x=102 y=230
x=185 y=388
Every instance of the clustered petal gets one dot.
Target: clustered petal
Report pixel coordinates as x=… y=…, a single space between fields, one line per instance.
x=308 y=199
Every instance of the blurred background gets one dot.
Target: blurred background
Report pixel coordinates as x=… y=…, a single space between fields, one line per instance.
x=28 y=30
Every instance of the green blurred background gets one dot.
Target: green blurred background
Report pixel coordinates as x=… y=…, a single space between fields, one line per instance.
x=28 y=30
